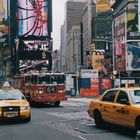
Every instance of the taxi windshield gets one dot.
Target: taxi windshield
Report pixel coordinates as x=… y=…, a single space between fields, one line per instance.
x=12 y=95
x=135 y=96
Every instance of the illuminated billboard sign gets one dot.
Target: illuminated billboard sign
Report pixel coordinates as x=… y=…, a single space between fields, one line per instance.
x=119 y=37
x=34 y=49
x=97 y=59
x=132 y=26
x=3 y=10
x=102 y=5
x=32 y=18
x=3 y=21
x=34 y=54
x=133 y=56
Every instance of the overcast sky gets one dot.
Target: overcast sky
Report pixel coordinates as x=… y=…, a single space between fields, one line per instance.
x=58 y=9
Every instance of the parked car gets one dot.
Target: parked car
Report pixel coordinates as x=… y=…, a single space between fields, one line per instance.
x=120 y=106
x=13 y=104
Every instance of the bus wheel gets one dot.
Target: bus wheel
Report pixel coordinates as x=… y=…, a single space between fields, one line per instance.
x=57 y=103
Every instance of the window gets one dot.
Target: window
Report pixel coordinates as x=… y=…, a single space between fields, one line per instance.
x=135 y=96
x=110 y=96
x=122 y=95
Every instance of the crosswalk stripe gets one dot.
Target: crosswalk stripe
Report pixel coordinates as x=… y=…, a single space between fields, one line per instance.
x=72 y=104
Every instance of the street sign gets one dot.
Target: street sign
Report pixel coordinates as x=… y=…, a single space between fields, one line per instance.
x=89 y=73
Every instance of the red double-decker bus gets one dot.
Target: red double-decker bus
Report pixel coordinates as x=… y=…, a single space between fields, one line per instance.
x=42 y=87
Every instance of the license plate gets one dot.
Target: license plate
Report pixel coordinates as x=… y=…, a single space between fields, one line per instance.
x=10 y=115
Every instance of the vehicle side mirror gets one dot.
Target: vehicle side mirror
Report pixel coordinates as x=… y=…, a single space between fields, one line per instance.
x=124 y=101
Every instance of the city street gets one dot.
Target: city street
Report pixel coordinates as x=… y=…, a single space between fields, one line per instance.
x=69 y=121
x=54 y=49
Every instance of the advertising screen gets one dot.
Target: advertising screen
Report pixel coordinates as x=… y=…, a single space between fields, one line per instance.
x=119 y=37
x=34 y=49
x=133 y=56
x=3 y=10
x=34 y=53
x=132 y=26
x=32 y=18
x=3 y=21
x=97 y=59
x=103 y=5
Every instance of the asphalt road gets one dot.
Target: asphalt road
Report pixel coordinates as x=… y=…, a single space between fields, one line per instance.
x=70 y=121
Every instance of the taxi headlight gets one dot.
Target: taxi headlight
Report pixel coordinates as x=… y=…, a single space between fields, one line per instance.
x=25 y=108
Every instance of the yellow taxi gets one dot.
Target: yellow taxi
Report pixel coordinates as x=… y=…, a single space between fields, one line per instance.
x=13 y=104
x=120 y=106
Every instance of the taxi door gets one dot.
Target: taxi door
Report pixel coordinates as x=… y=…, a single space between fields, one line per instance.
x=107 y=105
x=123 y=113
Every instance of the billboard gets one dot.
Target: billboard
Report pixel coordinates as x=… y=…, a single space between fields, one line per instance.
x=105 y=83
x=133 y=56
x=34 y=50
x=97 y=59
x=89 y=73
x=94 y=82
x=34 y=53
x=3 y=10
x=119 y=45
x=32 y=18
x=132 y=26
x=102 y=5
x=3 y=21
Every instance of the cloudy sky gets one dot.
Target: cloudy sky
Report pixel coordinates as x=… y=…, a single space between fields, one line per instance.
x=58 y=20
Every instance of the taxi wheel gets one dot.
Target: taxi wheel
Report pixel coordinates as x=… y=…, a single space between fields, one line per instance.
x=98 y=119
x=28 y=119
x=138 y=124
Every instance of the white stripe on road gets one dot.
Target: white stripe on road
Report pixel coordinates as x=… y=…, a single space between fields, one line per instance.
x=81 y=137
x=72 y=103
x=85 y=100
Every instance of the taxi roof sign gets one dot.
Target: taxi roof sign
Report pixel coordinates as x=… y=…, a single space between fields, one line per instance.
x=6 y=84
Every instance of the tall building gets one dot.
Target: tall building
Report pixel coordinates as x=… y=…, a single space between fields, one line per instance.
x=73 y=17
x=73 y=48
x=101 y=53
x=87 y=14
x=126 y=36
x=63 y=48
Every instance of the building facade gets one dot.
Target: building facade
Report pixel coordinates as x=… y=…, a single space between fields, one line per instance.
x=72 y=21
x=102 y=43
x=87 y=14
x=127 y=40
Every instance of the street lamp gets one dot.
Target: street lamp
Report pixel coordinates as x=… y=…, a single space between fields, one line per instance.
x=77 y=84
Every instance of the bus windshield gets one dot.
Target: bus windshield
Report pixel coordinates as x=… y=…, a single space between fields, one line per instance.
x=45 y=79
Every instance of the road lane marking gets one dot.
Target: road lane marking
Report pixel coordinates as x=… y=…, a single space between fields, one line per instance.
x=81 y=137
x=72 y=104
